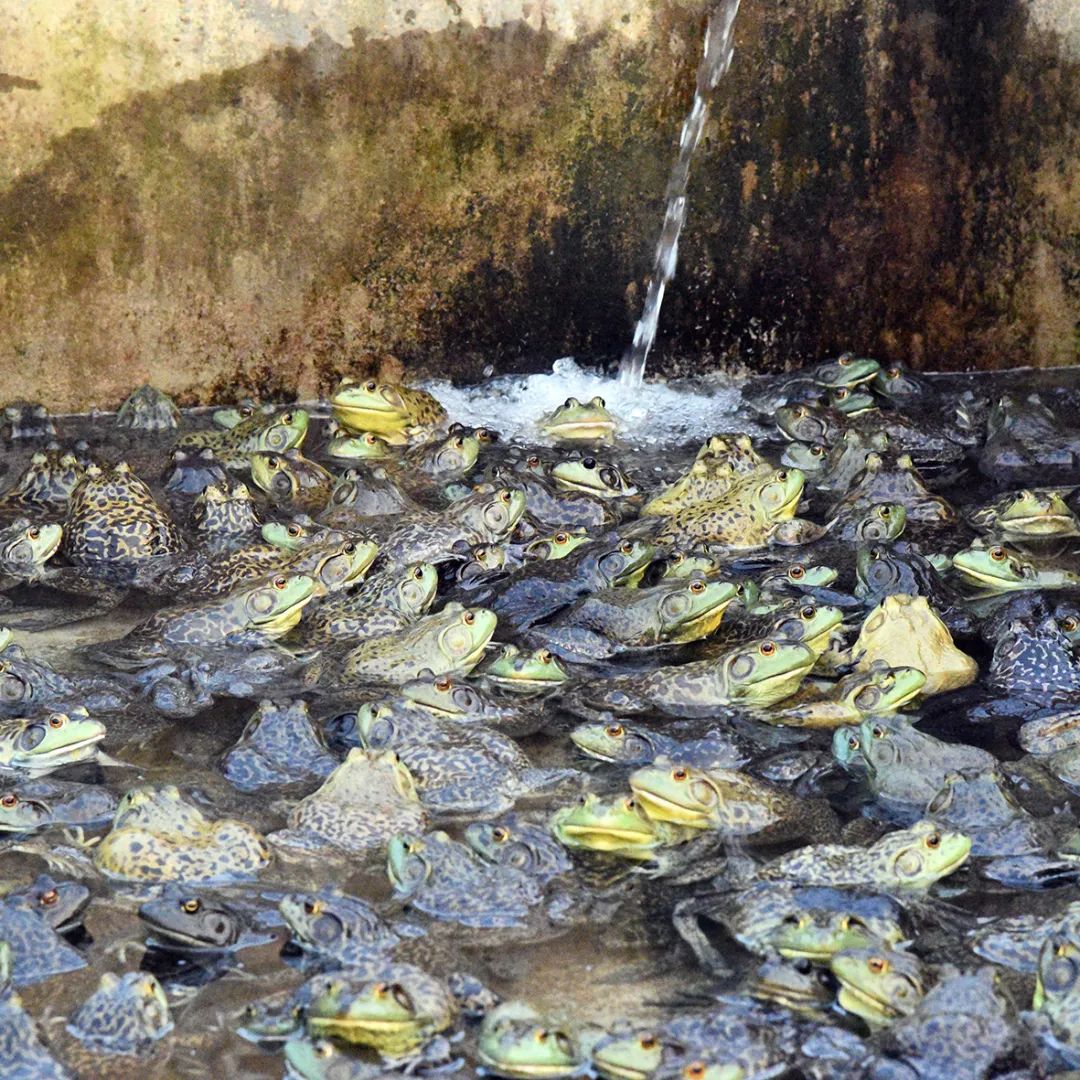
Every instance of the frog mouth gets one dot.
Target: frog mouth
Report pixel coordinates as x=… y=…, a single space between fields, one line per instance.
x=619 y=1072
x=285 y=620
x=331 y=1025
x=860 y=1003
x=656 y=806
x=527 y=1071
x=581 y=427
x=68 y=752
x=981 y=576
x=612 y=838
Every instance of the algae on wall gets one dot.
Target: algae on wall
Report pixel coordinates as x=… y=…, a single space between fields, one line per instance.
x=894 y=176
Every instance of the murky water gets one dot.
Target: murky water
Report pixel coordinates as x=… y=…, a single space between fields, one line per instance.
x=630 y=966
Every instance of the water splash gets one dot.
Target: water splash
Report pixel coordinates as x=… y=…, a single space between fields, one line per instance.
x=714 y=65
x=653 y=416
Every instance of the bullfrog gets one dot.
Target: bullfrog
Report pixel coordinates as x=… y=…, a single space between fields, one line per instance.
x=1026 y=443
x=340 y=928
x=1057 y=993
x=1015 y=941
x=453 y=456
x=835 y=468
x=1035 y=664
x=398 y=413
x=365 y=447
x=323 y=1059
x=616 y=826
x=445 y=879
x=29 y=685
x=112 y=516
x=906 y=860
x=385 y=602
x=879 y=984
x=182 y=922
x=22 y=1054
x=273 y=433
x=127 y=1014
x=40 y=745
x=540 y=589
x=225 y=514
x=25 y=548
x=877 y=691
x=807 y=623
x=28 y=805
x=368 y=798
x=189 y=472
x=148 y=409
x=720 y=464
x=904 y=631
x=743 y=517
x=755 y=675
x=523 y=672
x=35 y=950
x=517 y=1042
x=635 y=744
x=28 y=421
x=393 y=1010
x=734 y=803
x=898 y=483
x=292 y=481
x=899 y=385
x=603 y=479
x=574 y=421
x=46 y=484
x=526 y=846
x=612 y=621
x=1021 y=516
x=556 y=546
x=999 y=569
x=360 y=494
x=279 y=745
x=157 y=835
x=903 y=765
x=60 y=903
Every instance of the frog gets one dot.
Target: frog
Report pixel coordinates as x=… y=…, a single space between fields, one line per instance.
x=452 y=698
x=616 y=826
x=835 y=468
x=852 y=402
x=515 y=1041
x=556 y=546
x=339 y=928
x=613 y=621
x=573 y=421
x=393 y=1010
x=877 y=691
x=225 y=515
x=1055 y=998
x=743 y=517
x=527 y=846
x=279 y=745
x=148 y=409
x=720 y=464
x=1035 y=665
x=275 y=433
x=22 y=1054
x=365 y=447
x=757 y=674
x=1015 y=941
x=603 y=479
x=28 y=684
x=635 y=744
x=453 y=456
x=808 y=623
x=60 y=903
x=523 y=672
x=198 y=925
x=904 y=860
x=1026 y=443
x=898 y=385
x=27 y=421
x=127 y=1014
x=541 y=589
x=905 y=631
x=451 y=641
x=399 y=413
x=157 y=835
x=445 y=880
x=367 y=799
x=36 y=951
x=386 y=601
x=46 y=484
x=36 y=746
x=361 y=494
x=1025 y=516
x=291 y=481
x=323 y=1059
x=29 y=805
x=879 y=984
x=190 y=472
x=25 y=548
x=898 y=483
x=1000 y=569
x=731 y=802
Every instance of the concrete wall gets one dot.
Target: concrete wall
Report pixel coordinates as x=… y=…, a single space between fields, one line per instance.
x=237 y=196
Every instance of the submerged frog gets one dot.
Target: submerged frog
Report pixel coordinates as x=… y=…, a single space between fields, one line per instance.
x=338 y=927
x=292 y=481
x=274 y=433
x=188 y=924
x=878 y=984
x=998 y=569
x=634 y=744
x=125 y=1015
x=515 y=1041
x=148 y=409
x=1027 y=515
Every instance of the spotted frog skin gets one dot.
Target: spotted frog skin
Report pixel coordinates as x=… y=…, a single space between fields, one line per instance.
x=274 y=433
x=720 y=464
x=125 y=1015
x=337 y=927
x=47 y=483
x=398 y=413
x=221 y=514
x=28 y=805
x=292 y=481
x=112 y=517
x=148 y=409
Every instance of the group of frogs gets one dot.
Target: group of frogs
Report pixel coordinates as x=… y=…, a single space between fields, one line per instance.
x=793 y=721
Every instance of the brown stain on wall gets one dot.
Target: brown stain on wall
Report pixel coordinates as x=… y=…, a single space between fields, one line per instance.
x=893 y=176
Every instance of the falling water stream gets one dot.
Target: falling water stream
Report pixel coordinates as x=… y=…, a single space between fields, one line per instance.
x=714 y=65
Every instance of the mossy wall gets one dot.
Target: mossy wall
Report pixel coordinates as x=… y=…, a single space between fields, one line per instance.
x=227 y=199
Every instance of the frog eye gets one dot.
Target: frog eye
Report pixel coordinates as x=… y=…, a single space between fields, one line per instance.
x=588 y=463
x=273 y=463
x=504 y=495
x=8 y=801
x=312 y=907
x=892 y=373
x=884 y=512
x=797 y=573
x=878 y=965
x=532 y=462
x=842 y=393
x=998 y=554
x=280 y=582
x=781 y=475
x=853 y=742
x=694 y=1071
x=57 y=721
x=500 y=835
x=561 y=538
x=647 y=1042
x=614 y=731
x=933 y=841
x=371 y=386
x=444 y=684
x=697 y=586
x=544 y=656
x=468 y=618
x=808 y=613
x=191 y=906
x=571 y=403
x=599 y=403
x=287 y=418
x=626 y=547
x=49 y=897
x=371 y=438
x=767 y=648
x=878 y=731
x=33 y=532
x=680 y=775
x=481 y=553
x=418 y=573
x=324 y=1049
x=294 y=530
x=817 y=450
x=350 y=548
x=1069 y=624
x=799 y=411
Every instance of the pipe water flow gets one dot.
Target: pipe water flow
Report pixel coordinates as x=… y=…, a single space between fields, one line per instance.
x=714 y=65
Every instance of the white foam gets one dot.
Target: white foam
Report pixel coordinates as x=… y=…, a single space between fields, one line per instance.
x=655 y=414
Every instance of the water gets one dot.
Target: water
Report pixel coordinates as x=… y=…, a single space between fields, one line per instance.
x=715 y=62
